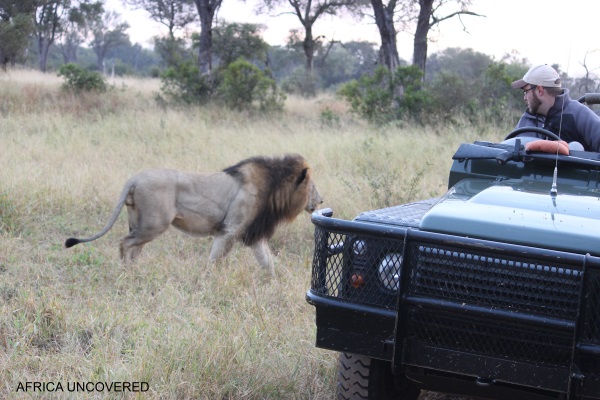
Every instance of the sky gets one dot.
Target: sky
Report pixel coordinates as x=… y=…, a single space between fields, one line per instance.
x=542 y=31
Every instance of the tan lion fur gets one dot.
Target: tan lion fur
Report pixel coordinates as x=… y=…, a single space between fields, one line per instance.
x=246 y=201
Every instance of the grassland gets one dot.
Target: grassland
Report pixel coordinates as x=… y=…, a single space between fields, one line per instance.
x=78 y=315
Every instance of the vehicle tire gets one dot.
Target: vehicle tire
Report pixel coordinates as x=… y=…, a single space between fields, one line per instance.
x=361 y=377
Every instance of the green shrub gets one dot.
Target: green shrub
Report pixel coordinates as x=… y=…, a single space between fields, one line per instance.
x=384 y=97
x=372 y=96
x=329 y=118
x=244 y=86
x=78 y=79
x=183 y=83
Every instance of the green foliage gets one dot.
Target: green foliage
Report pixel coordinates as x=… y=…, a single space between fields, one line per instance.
x=415 y=100
x=183 y=83
x=14 y=36
x=240 y=86
x=372 y=96
x=384 y=97
x=234 y=40
x=346 y=61
x=78 y=79
x=172 y=51
x=245 y=86
x=329 y=118
x=466 y=63
x=301 y=82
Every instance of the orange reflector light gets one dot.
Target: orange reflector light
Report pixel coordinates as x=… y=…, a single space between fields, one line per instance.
x=357 y=281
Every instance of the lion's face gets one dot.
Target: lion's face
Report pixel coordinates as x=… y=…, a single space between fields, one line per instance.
x=314 y=198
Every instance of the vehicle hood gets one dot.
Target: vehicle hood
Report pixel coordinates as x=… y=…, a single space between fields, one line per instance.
x=520 y=212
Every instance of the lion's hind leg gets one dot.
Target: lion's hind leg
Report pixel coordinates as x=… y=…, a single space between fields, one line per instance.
x=141 y=231
x=221 y=246
x=263 y=256
x=128 y=251
x=130 y=248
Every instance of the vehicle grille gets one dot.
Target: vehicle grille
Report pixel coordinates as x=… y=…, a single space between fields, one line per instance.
x=335 y=262
x=591 y=327
x=474 y=277
x=484 y=279
x=504 y=339
x=489 y=299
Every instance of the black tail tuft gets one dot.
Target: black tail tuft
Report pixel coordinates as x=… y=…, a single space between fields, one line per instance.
x=71 y=242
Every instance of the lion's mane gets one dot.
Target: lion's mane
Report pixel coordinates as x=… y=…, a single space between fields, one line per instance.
x=283 y=186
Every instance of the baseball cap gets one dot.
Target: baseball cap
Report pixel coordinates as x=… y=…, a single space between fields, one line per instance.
x=539 y=75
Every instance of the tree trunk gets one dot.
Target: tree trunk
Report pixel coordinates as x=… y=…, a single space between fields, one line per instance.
x=206 y=12
x=384 y=18
x=205 y=46
x=43 y=48
x=420 y=42
x=309 y=48
x=69 y=51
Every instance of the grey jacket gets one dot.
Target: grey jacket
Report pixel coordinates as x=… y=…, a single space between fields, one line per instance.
x=579 y=123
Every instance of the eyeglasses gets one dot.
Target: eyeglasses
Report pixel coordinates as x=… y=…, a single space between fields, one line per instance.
x=527 y=90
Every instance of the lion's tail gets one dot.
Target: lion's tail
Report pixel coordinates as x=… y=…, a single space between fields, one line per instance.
x=70 y=242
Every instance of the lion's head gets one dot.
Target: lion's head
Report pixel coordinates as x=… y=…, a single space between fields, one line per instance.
x=285 y=188
x=314 y=198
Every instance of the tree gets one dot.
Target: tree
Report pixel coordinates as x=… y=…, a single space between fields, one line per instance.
x=347 y=61
x=206 y=12
x=48 y=25
x=174 y=14
x=283 y=60
x=308 y=11
x=76 y=27
x=466 y=63
x=427 y=19
x=589 y=82
x=108 y=32
x=16 y=26
x=234 y=40
x=246 y=87
x=384 y=18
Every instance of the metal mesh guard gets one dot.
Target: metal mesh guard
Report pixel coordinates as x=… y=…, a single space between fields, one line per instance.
x=473 y=277
x=488 y=280
x=491 y=338
x=345 y=267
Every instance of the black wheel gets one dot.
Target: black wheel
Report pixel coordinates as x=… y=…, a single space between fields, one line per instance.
x=361 y=377
x=545 y=132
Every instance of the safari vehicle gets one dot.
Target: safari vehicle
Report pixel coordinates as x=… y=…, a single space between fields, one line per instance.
x=490 y=291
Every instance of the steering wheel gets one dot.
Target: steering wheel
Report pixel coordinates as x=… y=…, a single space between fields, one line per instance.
x=542 y=131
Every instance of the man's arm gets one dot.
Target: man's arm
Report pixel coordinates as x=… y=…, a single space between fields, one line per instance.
x=588 y=124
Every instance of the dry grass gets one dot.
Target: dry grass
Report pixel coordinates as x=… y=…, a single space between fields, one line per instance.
x=78 y=315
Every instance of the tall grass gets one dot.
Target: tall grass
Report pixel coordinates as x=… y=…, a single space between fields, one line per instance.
x=189 y=331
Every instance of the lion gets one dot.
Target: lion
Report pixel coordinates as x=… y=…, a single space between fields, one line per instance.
x=244 y=202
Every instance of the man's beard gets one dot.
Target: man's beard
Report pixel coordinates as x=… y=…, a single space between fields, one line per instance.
x=534 y=104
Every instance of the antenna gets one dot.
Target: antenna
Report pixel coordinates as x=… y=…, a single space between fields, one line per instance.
x=553 y=189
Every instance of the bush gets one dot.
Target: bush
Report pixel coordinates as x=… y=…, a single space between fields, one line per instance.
x=384 y=97
x=183 y=83
x=244 y=86
x=372 y=96
x=81 y=80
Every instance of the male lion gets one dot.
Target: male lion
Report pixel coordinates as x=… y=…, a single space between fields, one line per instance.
x=245 y=201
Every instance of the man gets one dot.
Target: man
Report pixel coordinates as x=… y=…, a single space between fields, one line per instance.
x=550 y=107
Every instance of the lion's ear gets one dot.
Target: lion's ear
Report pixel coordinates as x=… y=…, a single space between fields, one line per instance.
x=302 y=176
